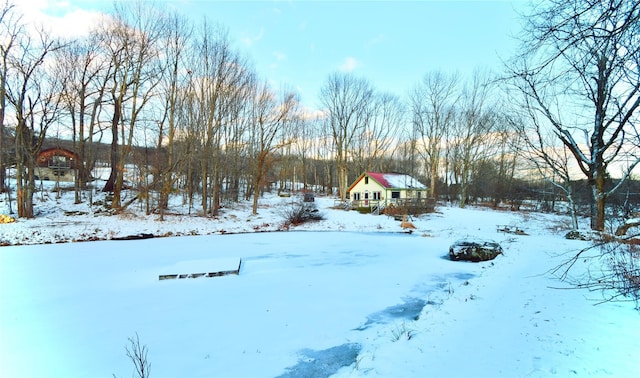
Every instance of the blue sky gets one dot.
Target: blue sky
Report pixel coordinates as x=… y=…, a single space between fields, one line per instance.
x=390 y=43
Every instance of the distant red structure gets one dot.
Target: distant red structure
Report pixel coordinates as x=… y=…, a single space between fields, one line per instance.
x=57 y=156
x=57 y=164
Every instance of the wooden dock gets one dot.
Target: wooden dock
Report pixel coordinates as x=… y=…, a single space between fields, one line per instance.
x=207 y=273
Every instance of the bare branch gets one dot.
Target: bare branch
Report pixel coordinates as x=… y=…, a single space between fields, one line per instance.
x=138 y=355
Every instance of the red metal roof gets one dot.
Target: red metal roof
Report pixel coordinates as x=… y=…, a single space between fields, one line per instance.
x=379 y=177
x=391 y=180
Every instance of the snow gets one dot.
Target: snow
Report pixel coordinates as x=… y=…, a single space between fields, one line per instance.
x=203 y=266
x=403 y=181
x=348 y=296
x=397 y=180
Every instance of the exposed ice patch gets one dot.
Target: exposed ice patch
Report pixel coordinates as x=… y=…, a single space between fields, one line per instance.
x=323 y=363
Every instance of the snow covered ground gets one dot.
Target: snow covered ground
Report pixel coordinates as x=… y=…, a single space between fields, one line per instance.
x=347 y=296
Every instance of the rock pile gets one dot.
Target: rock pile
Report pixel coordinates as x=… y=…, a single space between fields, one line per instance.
x=474 y=250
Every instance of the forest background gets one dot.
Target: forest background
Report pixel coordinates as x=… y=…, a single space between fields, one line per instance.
x=171 y=106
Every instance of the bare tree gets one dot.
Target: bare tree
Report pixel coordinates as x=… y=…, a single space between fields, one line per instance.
x=33 y=92
x=221 y=82
x=305 y=136
x=270 y=119
x=322 y=149
x=432 y=107
x=187 y=145
x=138 y=355
x=549 y=156
x=580 y=71
x=11 y=28
x=322 y=146
x=176 y=77
x=380 y=132
x=236 y=134
x=132 y=41
x=508 y=150
x=347 y=102
x=85 y=73
x=495 y=174
x=471 y=135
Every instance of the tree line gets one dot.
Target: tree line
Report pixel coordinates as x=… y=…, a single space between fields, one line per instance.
x=179 y=101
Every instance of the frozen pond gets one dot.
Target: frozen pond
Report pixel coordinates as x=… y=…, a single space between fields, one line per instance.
x=301 y=303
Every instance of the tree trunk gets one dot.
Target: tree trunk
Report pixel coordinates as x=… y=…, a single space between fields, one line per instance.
x=572 y=206
x=2 y=149
x=205 y=183
x=21 y=140
x=434 y=180
x=463 y=194
x=598 y=202
x=342 y=179
x=109 y=186
x=256 y=194
x=217 y=191
x=20 y=191
x=258 y=179
x=29 y=188
x=77 y=169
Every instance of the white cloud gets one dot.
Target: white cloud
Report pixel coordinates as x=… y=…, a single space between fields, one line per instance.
x=280 y=56
x=76 y=23
x=311 y=114
x=349 y=64
x=250 y=40
x=380 y=38
x=59 y=18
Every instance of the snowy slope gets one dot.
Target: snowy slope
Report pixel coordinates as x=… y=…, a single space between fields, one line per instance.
x=347 y=296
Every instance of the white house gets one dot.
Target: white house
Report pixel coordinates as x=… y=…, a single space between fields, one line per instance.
x=379 y=190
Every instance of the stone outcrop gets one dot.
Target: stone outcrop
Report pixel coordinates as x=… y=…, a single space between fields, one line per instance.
x=474 y=250
x=576 y=235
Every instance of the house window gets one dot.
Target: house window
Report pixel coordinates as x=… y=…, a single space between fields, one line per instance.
x=376 y=196
x=59 y=161
x=395 y=194
x=356 y=196
x=366 y=180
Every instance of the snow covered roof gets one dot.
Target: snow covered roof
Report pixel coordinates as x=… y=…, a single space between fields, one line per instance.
x=395 y=180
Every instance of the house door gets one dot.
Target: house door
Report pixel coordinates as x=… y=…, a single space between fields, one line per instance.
x=366 y=198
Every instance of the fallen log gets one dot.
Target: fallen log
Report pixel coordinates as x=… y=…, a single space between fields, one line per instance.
x=622 y=230
x=134 y=237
